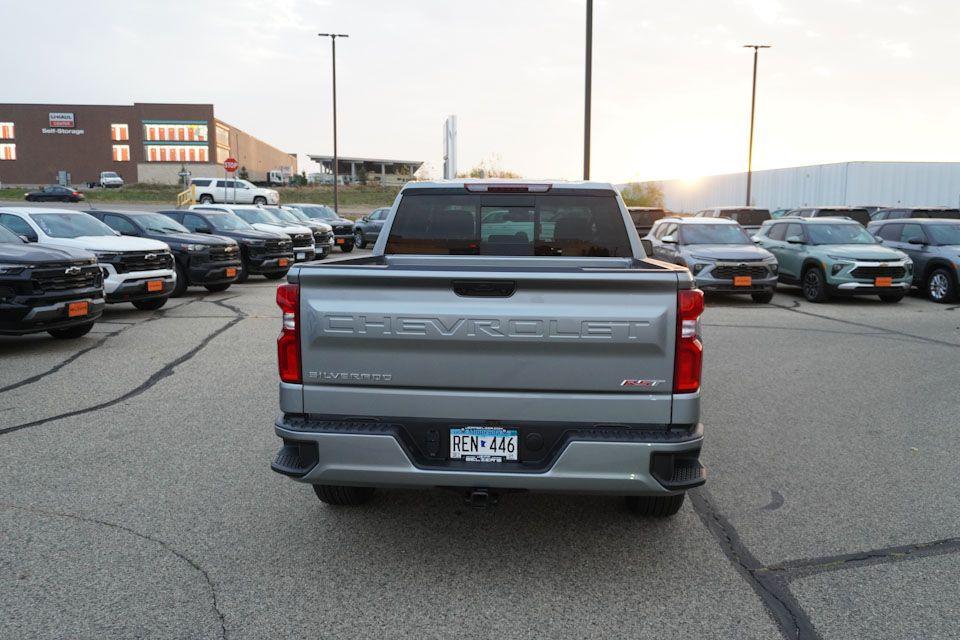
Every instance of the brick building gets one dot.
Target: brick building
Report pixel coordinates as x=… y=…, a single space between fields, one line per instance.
x=142 y=142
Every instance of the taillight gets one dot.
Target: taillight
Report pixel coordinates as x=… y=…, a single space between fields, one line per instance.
x=288 y=343
x=689 y=359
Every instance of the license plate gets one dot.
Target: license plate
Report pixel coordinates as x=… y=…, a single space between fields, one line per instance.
x=282 y=262
x=76 y=309
x=301 y=256
x=483 y=444
x=742 y=281
x=154 y=285
x=231 y=271
x=339 y=240
x=883 y=281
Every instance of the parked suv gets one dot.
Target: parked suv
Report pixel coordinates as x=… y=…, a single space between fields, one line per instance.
x=903 y=213
x=342 y=228
x=934 y=247
x=857 y=214
x=210 y=190
x=719 y=254
x=135 y=270
x=269 y=253
x=322 y=232
x=750 y=218
x=835 y=256
x=553 y=357
x=367 y=229
x=57 y=290
x=199 y=259
x=261 y=219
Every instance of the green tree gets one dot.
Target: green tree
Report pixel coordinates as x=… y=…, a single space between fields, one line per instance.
x=489 y=169
x=643 y=194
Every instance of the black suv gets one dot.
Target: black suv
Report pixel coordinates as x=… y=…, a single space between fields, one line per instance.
x=342 y=228
x=902 y=213
x=261 y=252
x=199 y=259
x=42 y=288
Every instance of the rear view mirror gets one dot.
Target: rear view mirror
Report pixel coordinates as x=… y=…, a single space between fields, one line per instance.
x=669 y=239
x=756 y=239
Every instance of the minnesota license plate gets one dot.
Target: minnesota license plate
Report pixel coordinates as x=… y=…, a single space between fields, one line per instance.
x=154 y=285
x=283 y=262
x=231 y=271
x=883 y=282
x=483 y=444
x=339 y=240
x=77 y=309
x=742 y=281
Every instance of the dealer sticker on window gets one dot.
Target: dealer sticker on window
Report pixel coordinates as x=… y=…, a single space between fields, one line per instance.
x=483 y=444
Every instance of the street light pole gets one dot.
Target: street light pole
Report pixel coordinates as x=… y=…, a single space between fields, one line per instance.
x=588 y=81
x=753 y=106
x=336 y=163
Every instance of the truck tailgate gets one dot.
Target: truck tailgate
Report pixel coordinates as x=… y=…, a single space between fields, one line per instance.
x=496 y=343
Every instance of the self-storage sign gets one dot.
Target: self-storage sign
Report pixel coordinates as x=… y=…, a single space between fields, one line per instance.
x=61 y=120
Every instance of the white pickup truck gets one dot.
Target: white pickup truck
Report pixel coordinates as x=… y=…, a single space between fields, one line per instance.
x=211 y=190
x=503 y=336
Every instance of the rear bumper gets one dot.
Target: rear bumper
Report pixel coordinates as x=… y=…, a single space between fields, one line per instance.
x=616 y=461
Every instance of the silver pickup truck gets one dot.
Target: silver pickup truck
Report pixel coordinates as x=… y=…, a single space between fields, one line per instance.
x=503 y=336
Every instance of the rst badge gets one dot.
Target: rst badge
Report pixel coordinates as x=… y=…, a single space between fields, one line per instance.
x=646 y=384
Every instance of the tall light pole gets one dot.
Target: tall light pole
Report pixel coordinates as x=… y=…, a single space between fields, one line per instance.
x=753 y=106
x=336 y=164
x=588 y=80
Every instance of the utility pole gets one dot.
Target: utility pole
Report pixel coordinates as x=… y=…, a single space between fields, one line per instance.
x=753 y=106
x=336 y=163
x=588 y=80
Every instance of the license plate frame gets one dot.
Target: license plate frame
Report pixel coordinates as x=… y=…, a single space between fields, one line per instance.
x=742 y=281
x=883 y=281
x=473 y=444
x=78 y=309
x=154 y=285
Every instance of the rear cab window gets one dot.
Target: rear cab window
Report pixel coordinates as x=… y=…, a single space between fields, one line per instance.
x=455 y=222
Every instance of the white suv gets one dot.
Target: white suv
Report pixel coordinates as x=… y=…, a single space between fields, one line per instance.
x=135 y=270
x=210 y=190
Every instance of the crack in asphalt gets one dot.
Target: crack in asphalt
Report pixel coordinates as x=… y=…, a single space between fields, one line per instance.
x=156 y=377
x=164 y=545
x=774 y=592
x=812 y=566
x=796 y=309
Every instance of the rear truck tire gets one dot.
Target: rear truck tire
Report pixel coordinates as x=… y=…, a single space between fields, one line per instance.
x=814 y=285
x=217 y=287
x=70 y=333
x=655 y=506
x=259 y=200
x=275 y=276
x=206 y=199
x=762 y=297
x=343 y=496
x=150 y=304
x=941 y=286
x=891 y=297
x=346 y=247
x=182 y=283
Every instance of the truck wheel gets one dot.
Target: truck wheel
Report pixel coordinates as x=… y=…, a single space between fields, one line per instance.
x=343 y=496
x=182 y=283
x=217 y=287
x=72 y=332
x=941 y=286
x=259 y=200
x=150 y=304
x=763 y=297
x=346 y=247
x=358 y=240
x=655 y=506
x=814 y=285
x=206 y=199
x=891 y=297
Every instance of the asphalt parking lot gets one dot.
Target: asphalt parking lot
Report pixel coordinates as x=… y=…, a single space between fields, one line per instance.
x=138 y=502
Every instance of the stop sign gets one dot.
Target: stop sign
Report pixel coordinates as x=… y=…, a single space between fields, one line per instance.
x=231 y=164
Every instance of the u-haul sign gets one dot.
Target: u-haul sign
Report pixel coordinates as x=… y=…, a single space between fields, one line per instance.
x=61 y=120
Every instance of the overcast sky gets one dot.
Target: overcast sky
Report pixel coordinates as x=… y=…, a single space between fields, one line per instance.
x=846 y=79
